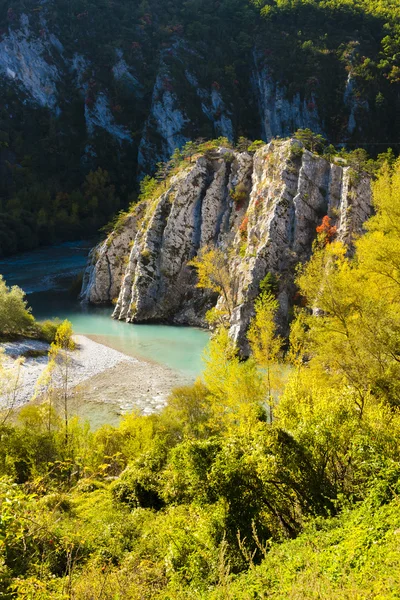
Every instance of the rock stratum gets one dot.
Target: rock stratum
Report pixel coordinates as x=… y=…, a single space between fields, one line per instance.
x=261 y=210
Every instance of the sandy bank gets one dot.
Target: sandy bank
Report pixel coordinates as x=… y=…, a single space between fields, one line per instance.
x=100 y=374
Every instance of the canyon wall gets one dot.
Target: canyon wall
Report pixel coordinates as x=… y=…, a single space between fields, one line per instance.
x=260 y=209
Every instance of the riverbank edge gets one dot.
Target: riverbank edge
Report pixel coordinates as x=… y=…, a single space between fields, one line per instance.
x=101 y=375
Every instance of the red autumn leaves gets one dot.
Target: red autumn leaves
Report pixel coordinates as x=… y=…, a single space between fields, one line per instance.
x=326 y=231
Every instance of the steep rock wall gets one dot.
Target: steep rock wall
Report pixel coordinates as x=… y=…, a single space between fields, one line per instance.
x=288 y=189
x=292 y=189
x=107 y=263
x=194 y=212
x=280 y=115
x=122 y=94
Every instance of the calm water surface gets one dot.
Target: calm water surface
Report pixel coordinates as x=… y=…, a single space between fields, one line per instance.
x=46 y=276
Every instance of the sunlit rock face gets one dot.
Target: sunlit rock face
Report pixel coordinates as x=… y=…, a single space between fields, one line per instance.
x=292 y=190
x=288 y=190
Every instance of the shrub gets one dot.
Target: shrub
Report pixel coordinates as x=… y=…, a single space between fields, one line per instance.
x=239 y=194
x=15 y=315
x=47 y=330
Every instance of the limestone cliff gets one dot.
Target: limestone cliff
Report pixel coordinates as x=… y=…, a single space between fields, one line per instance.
x=102 y=278
x=285 y=191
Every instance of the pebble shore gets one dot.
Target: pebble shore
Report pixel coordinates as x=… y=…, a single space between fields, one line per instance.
x=100 y=374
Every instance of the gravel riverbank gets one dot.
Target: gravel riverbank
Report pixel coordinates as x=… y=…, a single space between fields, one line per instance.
x=101 y=375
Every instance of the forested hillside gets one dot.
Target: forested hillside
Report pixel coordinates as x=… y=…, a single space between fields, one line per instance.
x=275 y=477
x=95 y=94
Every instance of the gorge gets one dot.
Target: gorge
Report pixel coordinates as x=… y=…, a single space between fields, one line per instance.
x=199 y=299
x=90 y=109
x=261 y=209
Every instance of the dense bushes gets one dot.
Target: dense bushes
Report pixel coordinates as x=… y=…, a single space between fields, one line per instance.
x=16 y=318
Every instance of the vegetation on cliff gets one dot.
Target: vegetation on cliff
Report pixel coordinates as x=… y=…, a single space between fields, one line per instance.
x=249 y=484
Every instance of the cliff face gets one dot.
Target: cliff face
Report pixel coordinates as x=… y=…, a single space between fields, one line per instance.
x=146 y=108
x=119 y=88
x=285 y=192
x=107 y=263
x=280 y=115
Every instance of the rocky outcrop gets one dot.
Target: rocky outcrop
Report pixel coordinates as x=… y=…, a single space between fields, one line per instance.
x=194 y=212
x=268 y=228
x=292 y=189
x=165 y=126
x=23 y=62
x=280 y=115
x=124 y=94
x=171 y=117
x=107 y=262
x=99 y=115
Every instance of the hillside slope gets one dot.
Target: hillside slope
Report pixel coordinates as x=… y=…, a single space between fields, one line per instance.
x=353 y=556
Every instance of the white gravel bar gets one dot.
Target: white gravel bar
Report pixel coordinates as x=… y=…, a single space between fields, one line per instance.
x=98 y=375
x=88 y=360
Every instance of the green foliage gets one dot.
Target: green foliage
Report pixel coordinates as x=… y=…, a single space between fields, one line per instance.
x=240 y=194
x=361 y=38
x=213 y=274
x=269 y=284
x=256 y=145
x=63 y=337
x=15 y=316
x=353 y=556
x=311 y=141
x=147 y=187
x=58 y=183
x=266 y=345
x=211 y=498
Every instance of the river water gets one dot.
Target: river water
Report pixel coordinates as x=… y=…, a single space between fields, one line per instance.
x=46 y=276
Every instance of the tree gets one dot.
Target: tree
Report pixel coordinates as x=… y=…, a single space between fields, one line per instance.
x=176 y=157
x=235 y=387
x=163 y=169
x=330 y=152
x=243 y=144
x=311 y=141
x=60 y=359
x=326 y=232
x=100 y=193
x=10 y=382
x=189 y=150
x=148 y=186
x=360 y=161
x=353 y=332
x=214 y=274
x=15 y=316
x=266 y=345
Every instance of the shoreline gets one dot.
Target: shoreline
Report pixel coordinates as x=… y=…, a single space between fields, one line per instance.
x=102 y=340
x=101 y=377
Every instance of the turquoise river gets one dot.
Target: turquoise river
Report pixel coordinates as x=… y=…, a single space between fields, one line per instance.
x=46 y=276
